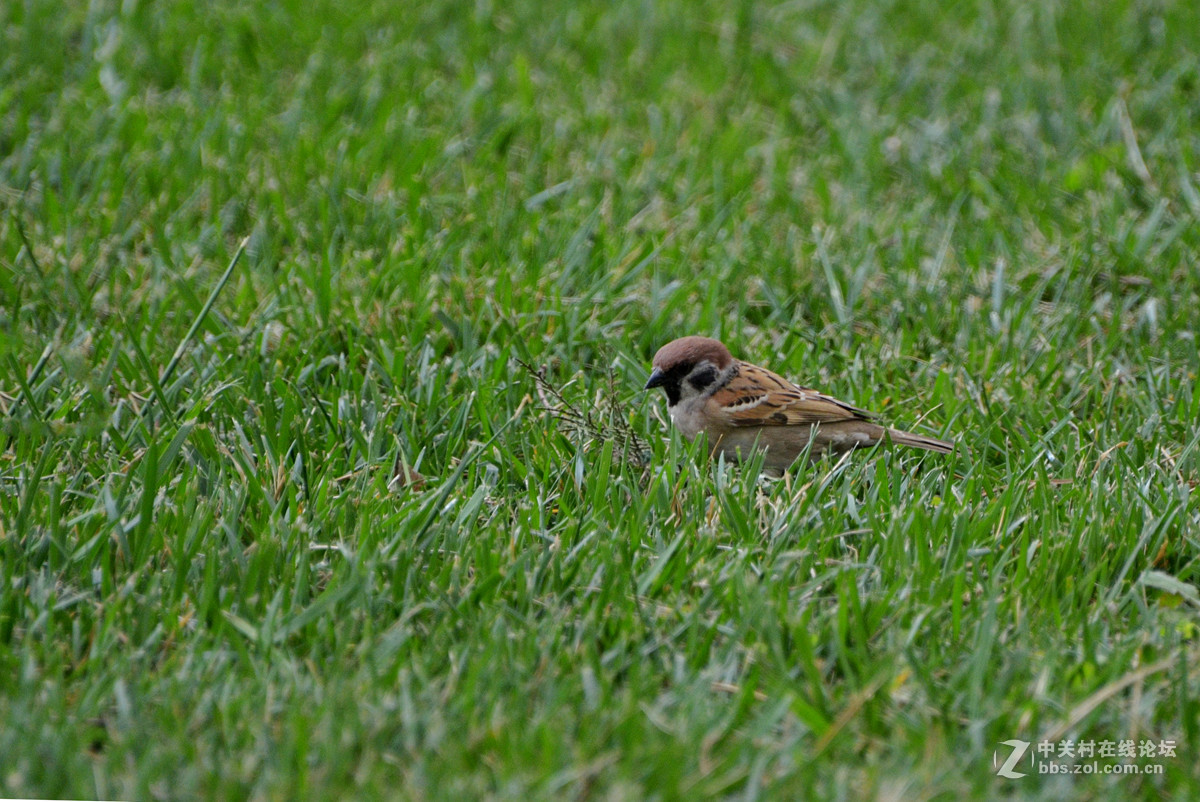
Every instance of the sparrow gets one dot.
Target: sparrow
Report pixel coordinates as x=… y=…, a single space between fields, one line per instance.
x=743 y=408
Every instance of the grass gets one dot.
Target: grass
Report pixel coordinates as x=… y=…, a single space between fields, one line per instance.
x=256 y=262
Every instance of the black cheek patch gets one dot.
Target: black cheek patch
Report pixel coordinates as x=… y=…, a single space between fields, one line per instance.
x=703 y=379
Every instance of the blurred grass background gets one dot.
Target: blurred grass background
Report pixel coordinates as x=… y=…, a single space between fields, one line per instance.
x=977 y=218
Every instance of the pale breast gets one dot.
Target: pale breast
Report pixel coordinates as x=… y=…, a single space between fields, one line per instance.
x=688 y=417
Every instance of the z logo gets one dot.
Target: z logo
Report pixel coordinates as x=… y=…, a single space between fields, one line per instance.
x=1018 y=751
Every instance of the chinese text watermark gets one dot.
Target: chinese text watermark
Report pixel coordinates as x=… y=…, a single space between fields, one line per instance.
x=1080 y=757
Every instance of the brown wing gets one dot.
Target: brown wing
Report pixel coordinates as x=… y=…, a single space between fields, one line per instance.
x=758 y=397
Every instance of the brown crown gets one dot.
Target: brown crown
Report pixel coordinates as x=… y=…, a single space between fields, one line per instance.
x=691 y=350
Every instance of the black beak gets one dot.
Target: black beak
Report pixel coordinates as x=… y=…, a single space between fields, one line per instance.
x=657 y=379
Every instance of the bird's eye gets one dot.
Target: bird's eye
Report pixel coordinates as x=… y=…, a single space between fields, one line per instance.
x=703 y=378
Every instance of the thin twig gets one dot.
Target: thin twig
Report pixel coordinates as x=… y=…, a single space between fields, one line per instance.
x=585 y=423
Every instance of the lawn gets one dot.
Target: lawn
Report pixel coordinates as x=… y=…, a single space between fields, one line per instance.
x=325 y=468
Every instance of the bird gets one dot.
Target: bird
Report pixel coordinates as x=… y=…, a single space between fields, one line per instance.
x=744 y=408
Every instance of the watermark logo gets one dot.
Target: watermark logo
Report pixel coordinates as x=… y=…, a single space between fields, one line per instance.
x=1070 y=756
x=1019 y=748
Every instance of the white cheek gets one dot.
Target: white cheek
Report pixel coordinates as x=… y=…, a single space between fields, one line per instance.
x=687 y=392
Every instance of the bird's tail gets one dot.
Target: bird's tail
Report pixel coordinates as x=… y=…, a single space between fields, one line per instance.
x=920 y=441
